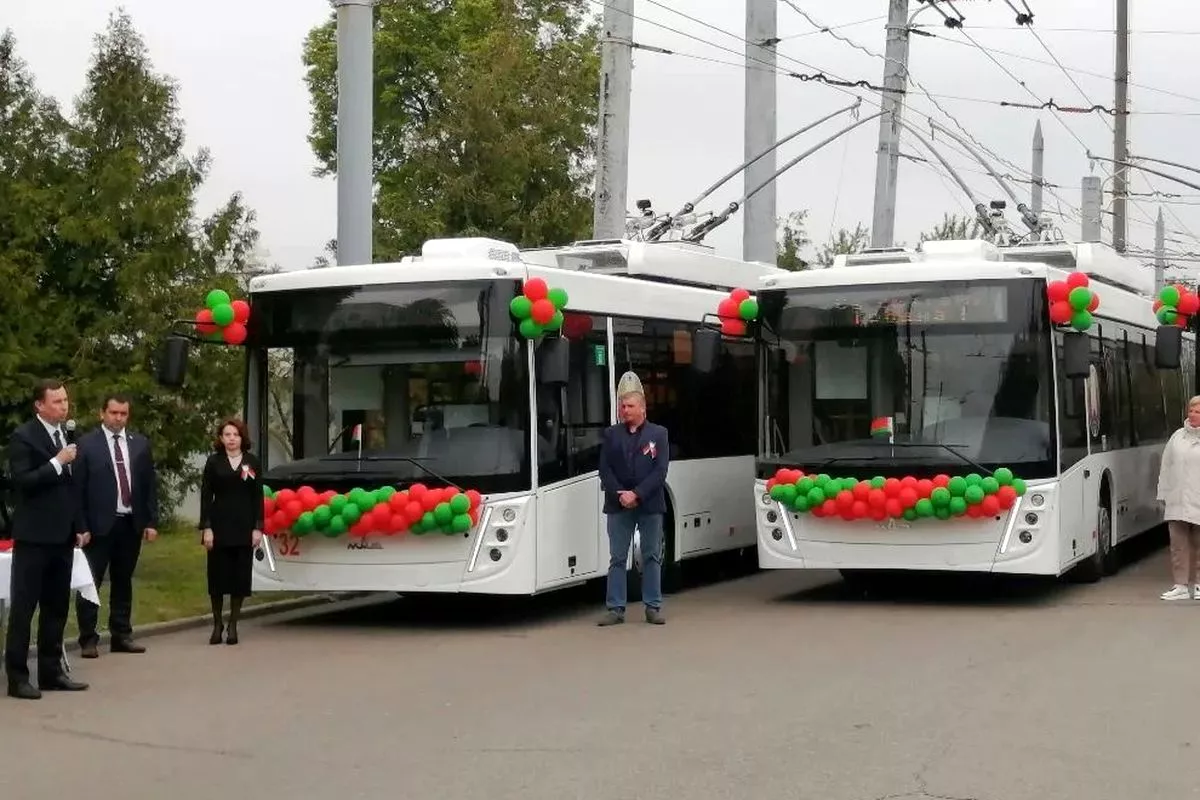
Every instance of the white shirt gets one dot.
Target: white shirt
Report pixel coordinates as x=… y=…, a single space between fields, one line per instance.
x=112 y=454
x=50 y=429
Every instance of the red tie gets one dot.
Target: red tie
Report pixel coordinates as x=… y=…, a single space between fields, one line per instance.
x=122 y=478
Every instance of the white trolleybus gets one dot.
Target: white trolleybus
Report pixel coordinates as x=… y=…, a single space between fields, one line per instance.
x=937 y=376
x=415 y=377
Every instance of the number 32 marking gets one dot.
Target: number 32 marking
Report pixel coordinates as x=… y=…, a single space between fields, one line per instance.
x=288 y=545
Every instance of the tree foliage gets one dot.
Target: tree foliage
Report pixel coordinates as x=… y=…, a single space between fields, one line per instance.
x=793 y=241
x=953 y=226
x=484 y=119
x=100 y=248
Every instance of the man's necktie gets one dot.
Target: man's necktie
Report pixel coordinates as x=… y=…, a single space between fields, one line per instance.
x=59 y=444
x=122 y=476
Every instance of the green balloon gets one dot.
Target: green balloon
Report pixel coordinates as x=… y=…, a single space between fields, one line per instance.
x=530 y=329
x=351 y=513
x=800 y=503
x=777 y=491
x=337 y=525
x=974 y=479
x=942 y=512
x=558 y=297
x=788 y=493
x=220 y=297
x=1003 y=476
x=940 y=497
x=356 y=495
x=267 y=491
x=322 y=515
x=1019 y=486
x=974 y=495
x=223 y=314
x=338 y=503
x=878 y=482
x=556 y=322
x=330 y=533
x=304 y=523
x=1079 y=298
x=1169 y=296
x=385 y=493
x=748 y=309
x=461 y=523
x=443 y=513
x=816 y=496
x=805 y=485
x=520 y=307
x=958 y=506
x=990 y=485
x=1081 y=320
x=957 y=486
x=849 y=483
x=428 y=522
x=1167 y=315
x=823 y=480
x=910 y=514
x=924 y=507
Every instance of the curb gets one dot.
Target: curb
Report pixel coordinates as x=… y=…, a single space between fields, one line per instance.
x=204 y=620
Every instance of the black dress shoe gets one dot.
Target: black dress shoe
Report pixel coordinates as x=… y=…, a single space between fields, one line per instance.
x=61 y=684
x=89 y=651
x=24 y=691
x=127 y=646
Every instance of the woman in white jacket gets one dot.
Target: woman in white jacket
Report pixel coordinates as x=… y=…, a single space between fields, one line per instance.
x=1179 y=491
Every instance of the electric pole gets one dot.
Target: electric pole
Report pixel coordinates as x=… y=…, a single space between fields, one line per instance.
x=895 y=79
x=612 y=143
x=1037 y=170
x=355 y=130
x=1120 y=127
x=758 y=221
x=1160 y=252
x=1092 y=201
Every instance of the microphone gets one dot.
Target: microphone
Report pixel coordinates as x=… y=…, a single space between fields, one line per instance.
x=69 y=429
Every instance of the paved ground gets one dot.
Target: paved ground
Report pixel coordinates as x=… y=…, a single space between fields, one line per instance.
x=772 y=686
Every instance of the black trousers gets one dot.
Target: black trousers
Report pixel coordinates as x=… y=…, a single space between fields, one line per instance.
x=41 y=580
x=117 y=555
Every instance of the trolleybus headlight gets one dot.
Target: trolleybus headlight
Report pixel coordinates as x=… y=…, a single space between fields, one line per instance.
x=1025 y=536
x=508 y=514
x=772 y=516
x=501 y=535
x=766 y=498
x=776 y=534
x=1031 y=518
x=1037 y=500
x=494 y=554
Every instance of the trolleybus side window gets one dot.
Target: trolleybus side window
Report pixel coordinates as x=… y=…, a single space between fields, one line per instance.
x=572 y=418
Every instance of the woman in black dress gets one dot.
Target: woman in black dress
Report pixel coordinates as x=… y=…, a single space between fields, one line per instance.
x=231 y=521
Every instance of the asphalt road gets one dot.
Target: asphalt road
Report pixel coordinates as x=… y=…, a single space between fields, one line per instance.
x=769 y=686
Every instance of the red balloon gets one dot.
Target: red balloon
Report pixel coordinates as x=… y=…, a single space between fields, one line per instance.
x=399 y=524
x=475 y=497
x=1061 y=312
x=879 y=514
x=536 y=289
x=414 y=511
x=474 y=515
x=941 y=481
x=846 y=512
x=398 y=501
x=268 y=506
x=908 y=496
x=975 y=511
x=1094 y=303
x=1189 y=304
x=281 y=520
x=1077 y=279
x=925 y=487
x=1157 y=305
x=431 y=499
x=771 y=483
x=241 y=311
x=1181 y=321
x=894 y=507
x=417 y=491
x=294 y=509
x=738 y=295
x=542 y=311
x=728 y=309
x=860 y=509
x=990 y=505
x=234 y=333
x=1007 y=497
x=862 y=490
x=877 y=499
x=909 y=481
x=818 y=511
x=1057 y=291
x=204 y=322
x=829 y=507
x=733 y=327
x=845 y=500
x=891 y=487
x=794 y=475
x=284 y=496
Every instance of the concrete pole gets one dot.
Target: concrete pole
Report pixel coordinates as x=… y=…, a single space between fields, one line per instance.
x=1092 y=199
x=758 y=215
x=1120 y=127
x=355 y=130
x=612 y=143
x=895 y=76
x=1160 y=252
x=1037 y=171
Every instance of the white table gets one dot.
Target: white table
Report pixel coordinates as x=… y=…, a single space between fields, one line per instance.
x=81 y=581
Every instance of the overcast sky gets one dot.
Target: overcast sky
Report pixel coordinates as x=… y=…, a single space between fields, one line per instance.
x=242 y=94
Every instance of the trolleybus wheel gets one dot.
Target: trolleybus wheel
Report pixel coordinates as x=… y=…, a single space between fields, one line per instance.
x=1104 y=560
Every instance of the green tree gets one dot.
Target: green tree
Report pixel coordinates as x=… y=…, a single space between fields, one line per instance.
x=125 y=256
x=484 y=119
x=953 y=226
x=793 y=241
x=844 y=242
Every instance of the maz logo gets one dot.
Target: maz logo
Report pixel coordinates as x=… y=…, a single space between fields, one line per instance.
x=364 y=545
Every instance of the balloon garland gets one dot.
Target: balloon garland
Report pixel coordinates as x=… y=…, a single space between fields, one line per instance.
x=539 y=308
x=223 y=319
x=942 y=497
x=362 y=512
x=1072 y=302
x=735 y=311
x=6 y=545
x=1176 y=305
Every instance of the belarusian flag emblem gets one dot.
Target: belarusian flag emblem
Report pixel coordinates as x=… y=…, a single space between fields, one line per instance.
x=356 y=433
x=881 y=427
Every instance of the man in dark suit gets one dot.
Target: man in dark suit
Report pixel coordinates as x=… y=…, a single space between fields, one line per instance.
x=47 y=526
x=633 y=474
x=118 y=491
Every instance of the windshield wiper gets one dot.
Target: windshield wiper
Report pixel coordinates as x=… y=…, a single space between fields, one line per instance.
x=949 y=448
x=416 y=462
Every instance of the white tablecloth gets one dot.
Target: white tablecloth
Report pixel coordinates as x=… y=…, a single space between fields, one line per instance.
x=81 y=577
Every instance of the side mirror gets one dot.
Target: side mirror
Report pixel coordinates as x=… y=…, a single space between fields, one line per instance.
x=706 y=349
x=1168 y=343
x=1076 y=354
x=553 y=359
x=173 y=361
